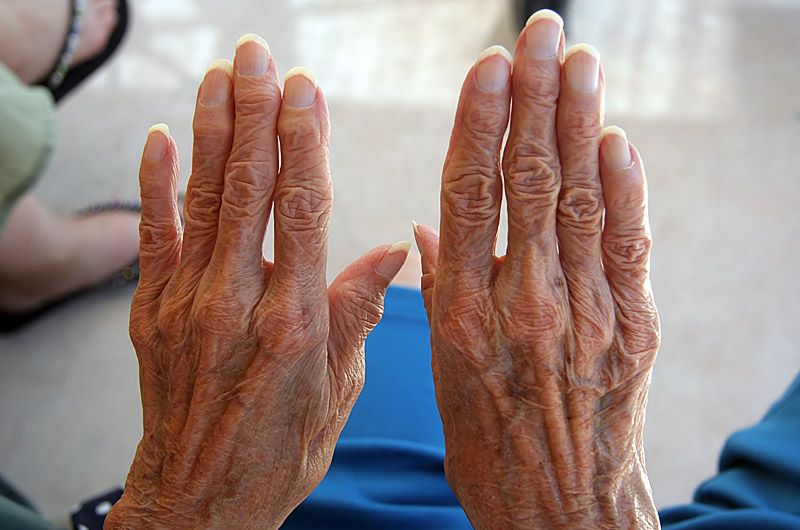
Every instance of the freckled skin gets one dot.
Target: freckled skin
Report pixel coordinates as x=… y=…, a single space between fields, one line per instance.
x=542 y=358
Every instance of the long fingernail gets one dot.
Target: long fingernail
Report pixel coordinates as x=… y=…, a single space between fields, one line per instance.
x=494 y=69
x=415 y=226
x=614 y=148
x=157 y=142
x=582 y=64
x=544 y=34
x=253 y=60
x=217 y=87
x=393 y=260
x=299 y=88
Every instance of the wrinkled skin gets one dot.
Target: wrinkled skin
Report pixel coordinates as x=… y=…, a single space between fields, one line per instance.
x=542 y=358
x=248 y=369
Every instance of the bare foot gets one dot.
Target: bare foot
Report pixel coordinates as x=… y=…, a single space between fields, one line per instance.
x=44 y=257
x=99 y=22
x=33 y=32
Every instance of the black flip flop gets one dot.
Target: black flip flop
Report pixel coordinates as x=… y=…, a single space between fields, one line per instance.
x=62 y=79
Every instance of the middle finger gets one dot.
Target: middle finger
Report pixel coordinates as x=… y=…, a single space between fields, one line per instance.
x=252 y=167
x=530 y=162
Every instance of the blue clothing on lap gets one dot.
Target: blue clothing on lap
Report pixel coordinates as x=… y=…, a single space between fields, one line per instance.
x=388 y=472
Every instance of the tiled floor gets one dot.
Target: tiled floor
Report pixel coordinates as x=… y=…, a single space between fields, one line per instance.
x=708 y=91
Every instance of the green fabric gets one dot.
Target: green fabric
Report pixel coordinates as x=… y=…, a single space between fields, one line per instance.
x=14 y=516
x=27 y=137
x=9 y=492
x=16 y=513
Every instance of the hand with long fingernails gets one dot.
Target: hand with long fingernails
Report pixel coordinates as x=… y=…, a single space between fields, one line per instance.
x=248 y=368
x=542 y=358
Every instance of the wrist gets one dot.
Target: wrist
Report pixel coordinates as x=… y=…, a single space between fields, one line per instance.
x=626 y=502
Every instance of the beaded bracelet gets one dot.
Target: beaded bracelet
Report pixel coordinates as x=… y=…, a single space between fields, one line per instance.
x=70 y=44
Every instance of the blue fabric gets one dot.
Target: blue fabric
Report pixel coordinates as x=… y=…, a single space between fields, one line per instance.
x=758 y=485
x=388 y=473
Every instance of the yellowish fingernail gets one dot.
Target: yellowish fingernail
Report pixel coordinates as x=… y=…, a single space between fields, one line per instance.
x=614 y=148
x=157 y=142
x=494 y=69
x=252 y=61
x=582 y=67
x=217 y=89
x=394 y=258
x=299 y=87
x=543 y=39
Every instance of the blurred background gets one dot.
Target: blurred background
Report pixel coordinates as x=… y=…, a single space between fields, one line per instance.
x=709 y=92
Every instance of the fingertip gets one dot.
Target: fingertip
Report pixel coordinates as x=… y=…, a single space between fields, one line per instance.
x=221 y=64
x=545 y=13
x=427 y=240
x=582 y=68
x=615 y=150
x=251 y=37
x=253 y=60
x=393 y=260
x=157 y=144
x=493 y=70
x=300 y=87
x=422 y=235
x=217 y=85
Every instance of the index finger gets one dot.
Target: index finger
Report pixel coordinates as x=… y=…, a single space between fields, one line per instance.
x=471 y=181
x=160 y=226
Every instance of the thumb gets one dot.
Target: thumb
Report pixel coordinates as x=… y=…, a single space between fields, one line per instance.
x=356 y=296
x=427 y=240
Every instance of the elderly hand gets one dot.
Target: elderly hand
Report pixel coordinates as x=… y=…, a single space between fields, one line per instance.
x=248 y=369
x=542 y=358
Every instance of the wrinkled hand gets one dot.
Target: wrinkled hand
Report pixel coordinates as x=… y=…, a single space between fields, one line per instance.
x=542 y=358
x=248 y=369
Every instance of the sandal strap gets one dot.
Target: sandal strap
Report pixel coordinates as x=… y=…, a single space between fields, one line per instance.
x=61 y=68
x=133 y=205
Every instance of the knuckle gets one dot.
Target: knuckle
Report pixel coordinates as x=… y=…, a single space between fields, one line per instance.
x=142 y=332
x=294 y=329
x=641 y=331
x=210 y=132
x=461 y=327
x=202 y=204
x=169 y=320
x=218 y=315
x=594 y=331
x=473 y=193
x=152 y=236
x=300 y=136
x=361 y=315
x=305 y=207
x=580 y=207
x=630 y=250
x=536 y=94
x=532 y=171
x=484 y=124
x=627 y=199
x=539 y=320
x=581 y=127
x=245 y=181
x=256 y=107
